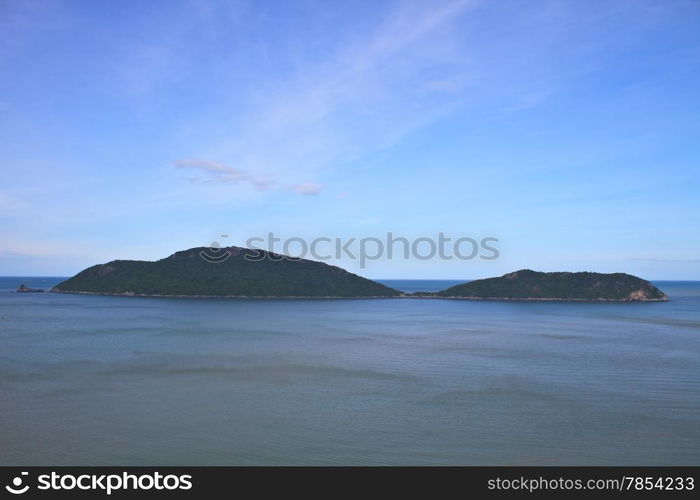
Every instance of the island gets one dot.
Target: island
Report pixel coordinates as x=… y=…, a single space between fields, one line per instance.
x=25 y=289
x=582 y=286
x=250 y=273
x=227 y=272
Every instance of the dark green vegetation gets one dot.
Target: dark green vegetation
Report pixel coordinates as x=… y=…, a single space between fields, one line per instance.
x=242 y=272
x=261 y=274
x=527 y=284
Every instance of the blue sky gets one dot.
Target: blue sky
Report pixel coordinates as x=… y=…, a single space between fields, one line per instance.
x=569 y=130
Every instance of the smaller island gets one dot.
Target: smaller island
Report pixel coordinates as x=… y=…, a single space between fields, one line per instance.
x=25 y=289
x=582 y=286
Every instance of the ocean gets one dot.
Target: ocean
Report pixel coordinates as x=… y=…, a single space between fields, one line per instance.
x=99 y=380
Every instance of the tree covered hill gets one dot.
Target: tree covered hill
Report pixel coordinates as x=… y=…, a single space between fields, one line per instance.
x=527 y=284
x=245 y=272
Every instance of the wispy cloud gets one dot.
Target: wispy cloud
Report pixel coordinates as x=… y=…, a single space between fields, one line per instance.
x=8 y=203
x=307 y=188
x=365 y=94
x=655 y=259
x=212 y=172
x=218 y=173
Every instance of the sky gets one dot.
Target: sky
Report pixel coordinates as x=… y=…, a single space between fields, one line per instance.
x=568 y=130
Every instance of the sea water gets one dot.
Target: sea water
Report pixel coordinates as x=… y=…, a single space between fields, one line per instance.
x=99 y=380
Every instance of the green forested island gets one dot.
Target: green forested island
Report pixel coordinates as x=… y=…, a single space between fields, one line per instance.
x=532 y=285
x=242 y=272
x=236 y=272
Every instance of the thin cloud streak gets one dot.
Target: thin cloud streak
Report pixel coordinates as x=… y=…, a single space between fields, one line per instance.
x=307 y=188
x=212 y=172
x=652 y=259
x=217 y=173
x=306 y=122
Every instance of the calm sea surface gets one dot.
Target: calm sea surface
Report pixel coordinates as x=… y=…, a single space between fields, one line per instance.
x=89 y=380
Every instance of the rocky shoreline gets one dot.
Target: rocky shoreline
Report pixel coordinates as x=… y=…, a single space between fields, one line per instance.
x=421 y=295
